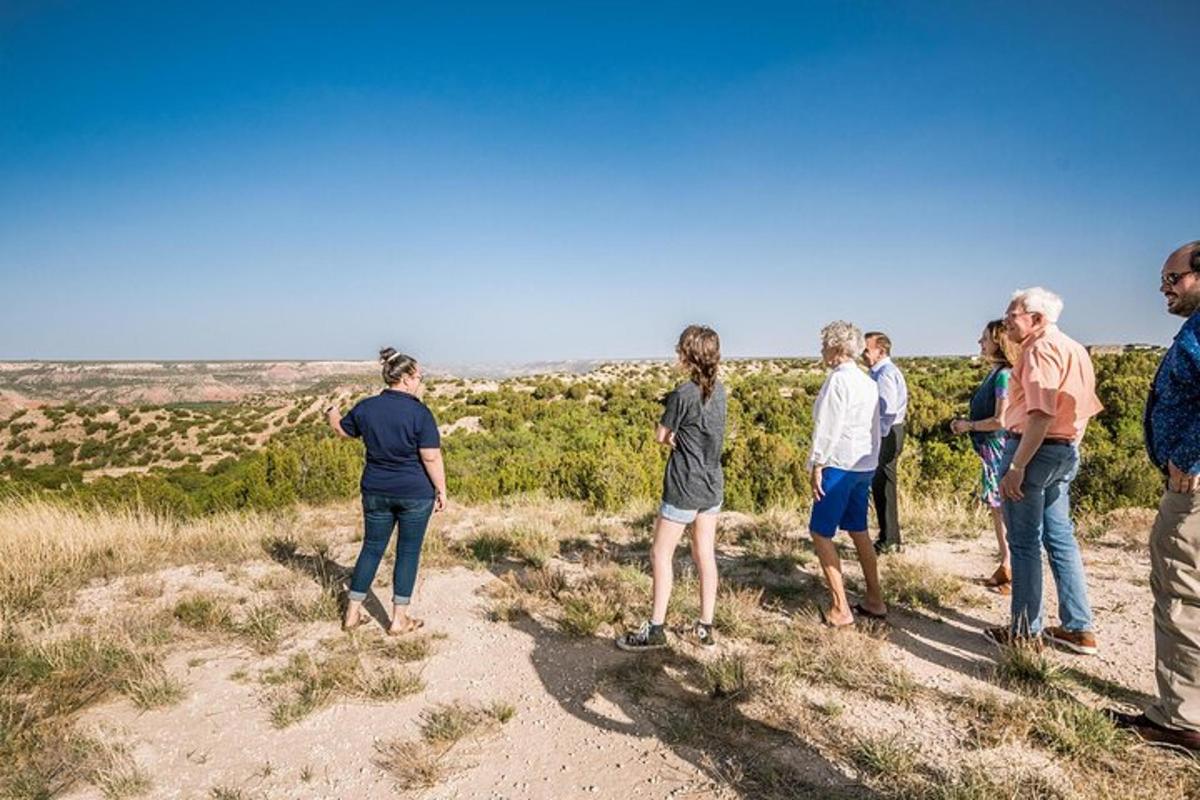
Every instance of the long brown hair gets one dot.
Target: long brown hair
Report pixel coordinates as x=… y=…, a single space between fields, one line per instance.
x=1007 y=351
x=699 y=349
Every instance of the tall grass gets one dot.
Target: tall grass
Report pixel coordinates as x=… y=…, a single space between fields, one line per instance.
x=48 y=549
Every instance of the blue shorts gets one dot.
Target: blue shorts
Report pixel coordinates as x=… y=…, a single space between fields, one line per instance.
x=684 y=516
x=844 y=504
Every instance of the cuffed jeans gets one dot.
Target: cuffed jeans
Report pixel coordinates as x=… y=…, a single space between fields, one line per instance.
x=381 y=515
x=1042 y=518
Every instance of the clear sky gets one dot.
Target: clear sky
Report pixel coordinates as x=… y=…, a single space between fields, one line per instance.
x=506 y=182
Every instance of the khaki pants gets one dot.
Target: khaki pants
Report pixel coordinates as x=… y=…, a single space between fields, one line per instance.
x=1175 y=582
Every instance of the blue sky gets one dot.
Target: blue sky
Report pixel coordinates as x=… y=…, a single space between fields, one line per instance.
x=511 y=182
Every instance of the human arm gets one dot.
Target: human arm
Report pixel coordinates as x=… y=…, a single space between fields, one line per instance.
x=1183 y=461
x=994 y=422
x=334 y=419
x=829 y=415
x=435 y=468
x=664 y=435
x=672 y=416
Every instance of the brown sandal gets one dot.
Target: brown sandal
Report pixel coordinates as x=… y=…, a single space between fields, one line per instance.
x=411 y=624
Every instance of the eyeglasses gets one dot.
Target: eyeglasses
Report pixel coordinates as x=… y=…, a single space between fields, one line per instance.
x=1172 y=278
x=1015 y=314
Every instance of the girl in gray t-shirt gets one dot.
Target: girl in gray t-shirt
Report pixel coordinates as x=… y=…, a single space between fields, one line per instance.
x=693 y=426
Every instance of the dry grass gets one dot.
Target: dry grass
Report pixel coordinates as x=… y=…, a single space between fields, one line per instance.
x=48 y=549
x=353 y=667
x=776 y=665
x=46 y=683
x=927 y=518
x=1028 y=667
x=424 y=763
x=889 y=759
x=845 y=658
x=413 y=764
x=917 y=583
x=727 y=675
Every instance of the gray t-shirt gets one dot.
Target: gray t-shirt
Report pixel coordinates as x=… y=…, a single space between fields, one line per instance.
x=694 y=480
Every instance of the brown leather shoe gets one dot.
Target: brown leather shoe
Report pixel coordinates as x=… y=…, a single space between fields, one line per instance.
x=1081 y=642
x=1150 y=731
x=1001 y=576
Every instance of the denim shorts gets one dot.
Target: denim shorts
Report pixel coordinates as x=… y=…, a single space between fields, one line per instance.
x=844 y=504
x=684 y=516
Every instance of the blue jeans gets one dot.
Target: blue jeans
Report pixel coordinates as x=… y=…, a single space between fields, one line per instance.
x=381 y=514
x=1042 y=518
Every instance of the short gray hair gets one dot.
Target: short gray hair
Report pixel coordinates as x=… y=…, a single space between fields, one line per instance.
x=1037 y=300
x=844 y=337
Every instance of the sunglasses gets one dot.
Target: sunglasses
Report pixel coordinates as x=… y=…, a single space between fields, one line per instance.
x=1172 y=278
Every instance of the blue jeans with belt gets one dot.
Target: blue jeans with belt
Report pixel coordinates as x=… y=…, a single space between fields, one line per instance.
x=382 y=514
x=1042 y=518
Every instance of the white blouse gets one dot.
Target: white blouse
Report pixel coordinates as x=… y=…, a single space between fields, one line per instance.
x=846 y=421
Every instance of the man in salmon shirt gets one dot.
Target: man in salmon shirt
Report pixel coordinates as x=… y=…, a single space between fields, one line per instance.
x=1052 y=397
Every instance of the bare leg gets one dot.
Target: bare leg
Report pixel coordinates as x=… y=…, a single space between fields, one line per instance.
x=704 y=546
x=1001 y=537
x=831 y=566
x=870 y=568
x=666 y=538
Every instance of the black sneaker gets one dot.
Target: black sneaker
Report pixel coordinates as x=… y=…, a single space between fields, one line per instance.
x=647 y=637
x=704 y=633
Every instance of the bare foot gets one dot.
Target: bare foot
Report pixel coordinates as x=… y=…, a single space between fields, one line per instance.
x=403 y=625
x=353 y=619
x=833 y=620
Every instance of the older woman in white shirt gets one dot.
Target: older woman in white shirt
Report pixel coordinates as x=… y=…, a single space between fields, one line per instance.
x=845 y=452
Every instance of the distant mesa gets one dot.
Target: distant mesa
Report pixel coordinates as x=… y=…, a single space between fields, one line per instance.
x=1117 y=349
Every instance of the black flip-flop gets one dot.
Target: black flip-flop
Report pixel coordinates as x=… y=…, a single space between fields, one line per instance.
x=862 y=611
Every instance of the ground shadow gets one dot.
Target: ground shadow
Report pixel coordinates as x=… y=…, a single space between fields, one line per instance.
x=331 y=576
x=655 y=696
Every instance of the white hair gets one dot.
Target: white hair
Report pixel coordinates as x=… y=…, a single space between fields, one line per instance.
x=1037 y=300
x=843 y=337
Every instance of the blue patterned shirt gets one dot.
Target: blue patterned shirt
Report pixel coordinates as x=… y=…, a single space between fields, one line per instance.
x=1172 y=418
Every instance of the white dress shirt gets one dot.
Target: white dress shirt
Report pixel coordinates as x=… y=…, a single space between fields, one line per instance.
x=893 y=394
x=846 y=421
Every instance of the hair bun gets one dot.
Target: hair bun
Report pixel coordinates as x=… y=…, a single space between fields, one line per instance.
x=386 y=354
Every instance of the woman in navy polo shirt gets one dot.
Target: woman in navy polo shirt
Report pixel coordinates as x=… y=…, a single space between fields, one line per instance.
x=403 y=483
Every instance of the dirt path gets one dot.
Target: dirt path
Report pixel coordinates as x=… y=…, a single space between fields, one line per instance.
x=575 y=733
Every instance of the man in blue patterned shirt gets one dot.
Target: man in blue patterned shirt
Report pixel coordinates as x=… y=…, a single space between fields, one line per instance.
x=1173 y=440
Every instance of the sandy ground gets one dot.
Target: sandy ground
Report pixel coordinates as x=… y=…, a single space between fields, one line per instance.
x=574 y=735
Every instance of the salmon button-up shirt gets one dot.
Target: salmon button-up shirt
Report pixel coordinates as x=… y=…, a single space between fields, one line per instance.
x=1054 y=375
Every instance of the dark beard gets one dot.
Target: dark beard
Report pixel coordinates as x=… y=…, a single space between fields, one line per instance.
x=1187 y=305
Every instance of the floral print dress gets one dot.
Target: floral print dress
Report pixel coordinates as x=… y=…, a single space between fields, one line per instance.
x=990 y=445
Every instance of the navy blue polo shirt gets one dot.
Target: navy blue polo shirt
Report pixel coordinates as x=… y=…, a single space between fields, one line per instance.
x=394 y=426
